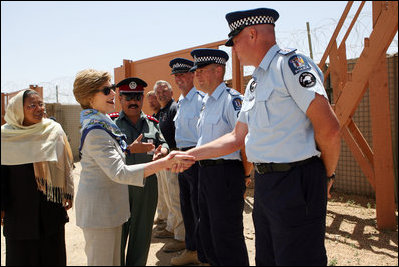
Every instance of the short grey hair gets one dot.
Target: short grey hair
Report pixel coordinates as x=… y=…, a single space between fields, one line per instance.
x=162 y=82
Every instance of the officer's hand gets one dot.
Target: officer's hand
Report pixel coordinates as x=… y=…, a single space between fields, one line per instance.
x=138 y=147
x=158 y=153
x=179 y=161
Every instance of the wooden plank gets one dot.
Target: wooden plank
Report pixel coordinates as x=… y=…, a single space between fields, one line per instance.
x=343 y=68
x=359 y=138
x=359 y=155
x=382 y=139
x=335 y=34
x=334 y=71
x=237 y=73
x=352 y=23
x=380 y=39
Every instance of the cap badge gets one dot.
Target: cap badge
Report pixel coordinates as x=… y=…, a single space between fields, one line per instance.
x=132 y=85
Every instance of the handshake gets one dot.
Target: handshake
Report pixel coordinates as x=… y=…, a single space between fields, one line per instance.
x=180 y=161
x=176 y=161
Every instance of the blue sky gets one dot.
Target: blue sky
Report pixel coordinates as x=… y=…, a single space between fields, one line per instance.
x=47 y=43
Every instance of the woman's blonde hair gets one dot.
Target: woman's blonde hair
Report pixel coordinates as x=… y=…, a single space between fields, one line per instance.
x=86 y=85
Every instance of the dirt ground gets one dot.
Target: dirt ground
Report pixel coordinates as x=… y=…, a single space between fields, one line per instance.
x=351 y=236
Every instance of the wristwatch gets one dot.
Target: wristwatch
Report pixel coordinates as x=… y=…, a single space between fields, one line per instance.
x=332 y=177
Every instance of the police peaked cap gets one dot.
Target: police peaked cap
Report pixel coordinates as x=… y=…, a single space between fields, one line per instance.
x=131 y=85
x=240 y=19
x=180 y=65
x=205 y=56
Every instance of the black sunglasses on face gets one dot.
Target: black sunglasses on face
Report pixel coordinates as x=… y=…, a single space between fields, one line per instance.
x=107 y=89
x=136 y=97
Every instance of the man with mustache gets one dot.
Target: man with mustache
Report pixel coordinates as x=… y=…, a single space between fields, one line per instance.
x=143 y=201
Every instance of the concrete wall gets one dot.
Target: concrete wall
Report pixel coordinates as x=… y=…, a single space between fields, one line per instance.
x=68 y=116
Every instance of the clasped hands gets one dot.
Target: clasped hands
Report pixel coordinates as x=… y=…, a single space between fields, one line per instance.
x=174 y=161
x=183 y=161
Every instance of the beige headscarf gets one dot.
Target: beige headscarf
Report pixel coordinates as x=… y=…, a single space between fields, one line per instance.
x=44 y=144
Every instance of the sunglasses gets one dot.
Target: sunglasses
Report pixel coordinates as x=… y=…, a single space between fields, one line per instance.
x=107 y=89
x=136 y=97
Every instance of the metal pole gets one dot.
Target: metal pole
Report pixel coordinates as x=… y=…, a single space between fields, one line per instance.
x=56 y=92
x=310 y=41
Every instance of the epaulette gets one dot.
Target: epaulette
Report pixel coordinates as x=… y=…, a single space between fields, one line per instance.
x=113 y=115
x=232 y=92
x=286 y=51
x=151 y=118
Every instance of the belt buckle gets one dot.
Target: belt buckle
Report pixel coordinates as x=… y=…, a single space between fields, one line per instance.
x=261 y=168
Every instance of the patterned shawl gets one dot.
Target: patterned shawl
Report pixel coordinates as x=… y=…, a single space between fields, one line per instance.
x=44 y=144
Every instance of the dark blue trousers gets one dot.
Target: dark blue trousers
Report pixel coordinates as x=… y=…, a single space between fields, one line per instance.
x=188 y=183
x=290 y=216
x=221 y=204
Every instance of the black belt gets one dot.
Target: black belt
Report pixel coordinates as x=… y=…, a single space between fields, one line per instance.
x=210 y=162
x=263 y=168
x=186 y=148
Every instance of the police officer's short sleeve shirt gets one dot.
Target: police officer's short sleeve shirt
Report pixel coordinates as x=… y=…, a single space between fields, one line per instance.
x=186 y=119
x=219 y=115
x=274 y=108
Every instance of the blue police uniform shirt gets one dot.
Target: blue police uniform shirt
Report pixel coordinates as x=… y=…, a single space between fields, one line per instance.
x=274 y=108
x=187 y=115
x=218 y=116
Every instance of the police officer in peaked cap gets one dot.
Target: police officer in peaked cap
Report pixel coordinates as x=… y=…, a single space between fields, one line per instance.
x=143 y=201
x=186 y=136
x=291 y=135
x=131 y=85
x=180 y=65
x=222 y=177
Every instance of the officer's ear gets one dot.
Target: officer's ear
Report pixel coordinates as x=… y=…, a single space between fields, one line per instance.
x=252 y=33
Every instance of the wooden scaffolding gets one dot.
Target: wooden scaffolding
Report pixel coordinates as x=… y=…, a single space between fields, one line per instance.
x=369 y=72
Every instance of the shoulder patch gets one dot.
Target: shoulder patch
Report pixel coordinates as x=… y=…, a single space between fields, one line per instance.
x=237 y=103
x=151 y=118
x=307 y=79
x=298 y=63
x=286 y=51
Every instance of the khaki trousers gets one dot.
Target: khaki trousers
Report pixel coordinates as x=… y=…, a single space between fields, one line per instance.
x=175 y=219
x=163 y=199
x=103 y=246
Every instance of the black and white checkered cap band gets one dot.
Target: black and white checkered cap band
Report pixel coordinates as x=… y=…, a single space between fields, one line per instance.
x=181 y=65
x=218 y=60
x=251 y=21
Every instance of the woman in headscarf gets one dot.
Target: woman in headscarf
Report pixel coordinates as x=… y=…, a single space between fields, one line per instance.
x=102 y=199
x=36 y=183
